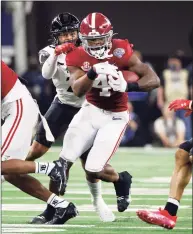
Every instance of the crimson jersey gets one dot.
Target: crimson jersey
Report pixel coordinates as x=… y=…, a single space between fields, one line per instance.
x=8 y=79
x=101 y=94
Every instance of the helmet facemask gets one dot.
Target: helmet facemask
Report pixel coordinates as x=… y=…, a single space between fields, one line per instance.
x=98 y=51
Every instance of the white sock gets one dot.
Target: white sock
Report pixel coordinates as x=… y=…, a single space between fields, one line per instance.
x=56 y=201
x=173 y=201
x=95 y=190
x=44 y=168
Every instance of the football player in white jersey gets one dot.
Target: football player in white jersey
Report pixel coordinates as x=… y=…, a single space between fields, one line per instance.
x=64 y=28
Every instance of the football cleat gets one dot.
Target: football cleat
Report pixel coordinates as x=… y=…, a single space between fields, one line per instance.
x=105 y=214
x=44 y=217
x=64 y=214
x=122 y=188
x=123 y=203
x=161 y=218
x=58 y=175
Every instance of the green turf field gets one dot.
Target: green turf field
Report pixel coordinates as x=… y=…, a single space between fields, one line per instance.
x=151 y=170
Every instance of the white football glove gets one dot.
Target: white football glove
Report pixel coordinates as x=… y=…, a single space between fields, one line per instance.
x=120 y=84
x=106 y=68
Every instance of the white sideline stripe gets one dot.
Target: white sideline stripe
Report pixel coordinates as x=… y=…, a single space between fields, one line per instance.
x=27 y=226
x=134 y=191
x=88 y=198
x=87 y=207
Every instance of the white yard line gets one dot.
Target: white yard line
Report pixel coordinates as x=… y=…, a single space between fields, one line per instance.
x=49 y=228
x=88 y=198
x=87 y=217
x=134 y=191
x=86 y=208
x=30 y=230
x=56 y=149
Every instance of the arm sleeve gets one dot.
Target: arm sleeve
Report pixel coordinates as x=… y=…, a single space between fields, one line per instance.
x=49 y=63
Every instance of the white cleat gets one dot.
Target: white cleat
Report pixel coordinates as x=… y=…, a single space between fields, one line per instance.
x=105 y=214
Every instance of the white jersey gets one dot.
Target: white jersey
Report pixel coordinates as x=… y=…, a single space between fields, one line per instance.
x=61 y=78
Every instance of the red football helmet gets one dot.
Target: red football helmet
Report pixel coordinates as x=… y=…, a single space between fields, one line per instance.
x=96 y=34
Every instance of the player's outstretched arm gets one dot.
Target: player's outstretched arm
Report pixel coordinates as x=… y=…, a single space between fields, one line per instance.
x=148 y=78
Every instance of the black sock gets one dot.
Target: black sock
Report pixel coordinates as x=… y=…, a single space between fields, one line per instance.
x=171 y=208
x=122 y=186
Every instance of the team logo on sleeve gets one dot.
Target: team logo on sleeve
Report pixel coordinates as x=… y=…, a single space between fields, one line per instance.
x=119 y=52
x=86 y=66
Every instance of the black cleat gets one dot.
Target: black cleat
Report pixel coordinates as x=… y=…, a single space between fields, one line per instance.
x=64 y=214
x=58 y=175
x=44 y=217
x=123 y=203
x=122 y=188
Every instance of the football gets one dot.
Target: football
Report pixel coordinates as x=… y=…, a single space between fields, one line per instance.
x=129 y=76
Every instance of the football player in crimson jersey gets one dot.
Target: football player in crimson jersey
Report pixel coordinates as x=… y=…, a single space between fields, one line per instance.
x=20 y=114
x=101 y=122
x=180 y=178
x=64 y=29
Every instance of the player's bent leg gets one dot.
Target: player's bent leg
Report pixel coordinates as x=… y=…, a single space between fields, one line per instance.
x=36 y=151
x=97 y=159
x=63 y=210
x=181 y=176
x=105 y=214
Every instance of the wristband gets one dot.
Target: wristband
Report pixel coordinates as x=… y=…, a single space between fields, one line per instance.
x=91 y=74
x=133 y=87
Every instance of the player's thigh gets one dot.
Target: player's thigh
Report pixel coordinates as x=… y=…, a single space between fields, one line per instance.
x=58 y=118
x=18 y=128
x=105 y=145
x=79 y=136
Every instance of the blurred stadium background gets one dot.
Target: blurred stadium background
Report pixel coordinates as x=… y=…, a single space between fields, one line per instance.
x=158 y=31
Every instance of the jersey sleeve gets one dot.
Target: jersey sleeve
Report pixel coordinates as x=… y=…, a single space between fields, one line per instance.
x=124 y=49
x=73 y=58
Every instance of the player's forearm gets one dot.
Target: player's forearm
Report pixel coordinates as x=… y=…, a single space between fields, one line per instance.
x=149 y=81
x=82 y=85
x=49 y=67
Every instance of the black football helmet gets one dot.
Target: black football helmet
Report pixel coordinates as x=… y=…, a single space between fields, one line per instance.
x=63 y=22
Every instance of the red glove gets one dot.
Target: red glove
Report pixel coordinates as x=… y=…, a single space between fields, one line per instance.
x=64 y=48
x=181 y=104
